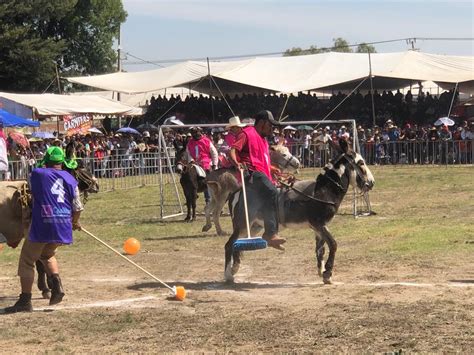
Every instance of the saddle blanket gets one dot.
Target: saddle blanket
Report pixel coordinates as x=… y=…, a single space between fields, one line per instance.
x=200 y=171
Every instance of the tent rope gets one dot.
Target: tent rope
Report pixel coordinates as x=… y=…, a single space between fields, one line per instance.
x=340 y=103
x=218 y=88
x=176 y=103
x=284 y=108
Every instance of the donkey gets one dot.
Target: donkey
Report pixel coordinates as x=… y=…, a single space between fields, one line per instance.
x=307 y=202
x=223 y=182
x=191 y=182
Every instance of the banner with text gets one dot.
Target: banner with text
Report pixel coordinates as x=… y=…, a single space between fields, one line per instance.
x=77 y=124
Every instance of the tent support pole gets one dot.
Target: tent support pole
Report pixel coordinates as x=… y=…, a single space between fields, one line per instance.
x=452 y=99
x=57 y=78
x=371 y=89
x=210 y=89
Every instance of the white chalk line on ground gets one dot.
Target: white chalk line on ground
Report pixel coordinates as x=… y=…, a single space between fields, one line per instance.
x=144 y=302
x=219 y=284
x=351 y=284
x=114 y=304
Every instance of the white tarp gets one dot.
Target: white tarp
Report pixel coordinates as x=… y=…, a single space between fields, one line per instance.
x=293 y=74
x=140 y=99
x=60 y=105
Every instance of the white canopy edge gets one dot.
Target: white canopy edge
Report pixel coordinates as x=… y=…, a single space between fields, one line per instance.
x=140 y=99
x=60 y=105
x=293 y=74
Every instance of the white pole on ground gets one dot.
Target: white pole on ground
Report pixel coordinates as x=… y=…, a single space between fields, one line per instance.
x=130 y=261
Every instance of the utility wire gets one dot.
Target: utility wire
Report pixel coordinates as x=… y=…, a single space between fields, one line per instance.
x=238 y=56
x=142 y=60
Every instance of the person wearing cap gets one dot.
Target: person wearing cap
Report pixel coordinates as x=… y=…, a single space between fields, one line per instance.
x=202 y=151
x=250 y=152
x=322 y=145
x=343 y=133
x=55 y=213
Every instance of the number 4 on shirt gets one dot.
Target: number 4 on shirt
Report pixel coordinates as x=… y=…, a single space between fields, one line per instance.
x=58 y=189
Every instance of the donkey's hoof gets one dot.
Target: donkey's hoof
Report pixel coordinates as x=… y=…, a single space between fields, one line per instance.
x=221 y=233
x=320 y=271
x=228 y=275
x=206 y=227
x=327 y=281
x=235 y=268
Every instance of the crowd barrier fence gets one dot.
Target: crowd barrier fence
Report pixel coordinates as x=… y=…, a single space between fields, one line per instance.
x=143 y=169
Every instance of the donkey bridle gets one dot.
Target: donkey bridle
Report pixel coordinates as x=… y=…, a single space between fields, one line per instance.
x=350 y=161
x=80 y=175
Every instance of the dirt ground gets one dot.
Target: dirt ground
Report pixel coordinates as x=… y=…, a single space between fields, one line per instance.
x=277 y=304
x=381 y=301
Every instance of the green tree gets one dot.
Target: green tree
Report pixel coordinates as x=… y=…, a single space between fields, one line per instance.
x=298 y=51
x=293 y=52
x=364 y=48
x=37 y=35
x=341 y=45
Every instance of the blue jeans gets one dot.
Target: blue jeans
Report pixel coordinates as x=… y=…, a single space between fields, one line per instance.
x=262 y=198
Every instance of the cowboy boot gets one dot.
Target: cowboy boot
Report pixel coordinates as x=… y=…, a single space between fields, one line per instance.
x=57 y=292
x=22 y=305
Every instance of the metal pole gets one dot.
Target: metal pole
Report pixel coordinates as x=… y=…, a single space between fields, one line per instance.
x=119 y=67
x=371 y=89
x=210 y=89
x=57 y=78
x=160 y=155
x=452 y=99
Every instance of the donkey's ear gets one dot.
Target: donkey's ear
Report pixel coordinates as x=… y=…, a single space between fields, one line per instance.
x=343 y=144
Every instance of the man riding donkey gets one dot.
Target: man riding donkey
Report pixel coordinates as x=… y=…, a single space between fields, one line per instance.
x=201 y=151
x=56 y=211
x=250 y=151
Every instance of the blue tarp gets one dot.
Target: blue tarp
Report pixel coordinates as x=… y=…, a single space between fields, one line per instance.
x=8 y=119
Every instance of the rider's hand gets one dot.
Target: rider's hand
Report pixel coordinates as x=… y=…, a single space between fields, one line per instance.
x=275 y=170
x=76 y=226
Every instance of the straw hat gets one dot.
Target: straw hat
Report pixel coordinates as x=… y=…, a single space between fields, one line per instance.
x=235 y=122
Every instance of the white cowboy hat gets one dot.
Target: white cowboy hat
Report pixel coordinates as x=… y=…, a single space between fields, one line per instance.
x=235 y=122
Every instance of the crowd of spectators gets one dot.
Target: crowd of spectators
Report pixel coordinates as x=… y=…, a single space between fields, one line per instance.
x=424 y=108
x=404 y=132
x=388 y=144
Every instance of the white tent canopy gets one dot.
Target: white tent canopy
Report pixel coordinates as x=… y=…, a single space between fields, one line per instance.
x=140 y=99
x=293 y=74
x=59 y=105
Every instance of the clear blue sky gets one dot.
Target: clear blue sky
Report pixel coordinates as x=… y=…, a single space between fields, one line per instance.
x=175 y=29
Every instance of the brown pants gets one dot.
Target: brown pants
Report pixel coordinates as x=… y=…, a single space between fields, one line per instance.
x=32 y=252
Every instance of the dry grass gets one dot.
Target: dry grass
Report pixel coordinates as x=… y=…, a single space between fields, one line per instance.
x=423 y=232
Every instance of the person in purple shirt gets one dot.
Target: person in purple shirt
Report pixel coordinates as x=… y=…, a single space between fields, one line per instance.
x=56 y=211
